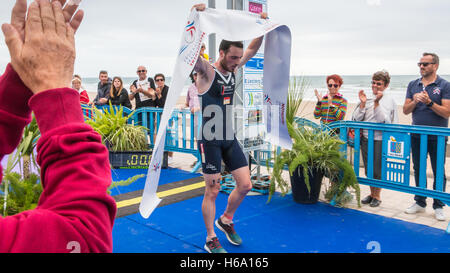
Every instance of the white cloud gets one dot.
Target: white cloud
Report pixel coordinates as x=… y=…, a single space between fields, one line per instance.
x=373 y=2
x=346 y=37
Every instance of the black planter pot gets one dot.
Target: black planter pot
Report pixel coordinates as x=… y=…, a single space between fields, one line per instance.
x=300 y=191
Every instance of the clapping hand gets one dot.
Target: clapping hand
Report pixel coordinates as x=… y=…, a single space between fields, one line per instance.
x=318 y=96
x=378 y=96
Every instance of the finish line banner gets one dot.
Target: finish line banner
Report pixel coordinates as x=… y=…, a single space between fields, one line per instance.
x=232 y=25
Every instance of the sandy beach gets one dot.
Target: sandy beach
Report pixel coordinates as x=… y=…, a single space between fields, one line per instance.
x=306 y=109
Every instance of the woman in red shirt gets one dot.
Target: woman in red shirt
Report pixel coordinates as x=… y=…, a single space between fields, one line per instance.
x=76 y=84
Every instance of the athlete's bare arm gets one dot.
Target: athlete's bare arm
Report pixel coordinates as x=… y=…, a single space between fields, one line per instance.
x=251 y=51
x=253 y=47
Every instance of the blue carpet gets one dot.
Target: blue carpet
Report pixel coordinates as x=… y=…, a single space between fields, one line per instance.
x=281 y=226
x=168 y=175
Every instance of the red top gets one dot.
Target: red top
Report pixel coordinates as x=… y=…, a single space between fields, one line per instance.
x=84 y=97
x=74 y=212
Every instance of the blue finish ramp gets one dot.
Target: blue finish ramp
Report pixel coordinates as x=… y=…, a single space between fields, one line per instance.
x=282 y=226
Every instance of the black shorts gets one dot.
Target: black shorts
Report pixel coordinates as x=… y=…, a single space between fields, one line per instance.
x=213 y=152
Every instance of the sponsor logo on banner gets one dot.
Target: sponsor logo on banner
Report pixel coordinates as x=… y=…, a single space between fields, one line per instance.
x=156 y=167
x=189 y=36
x=282 y=109
x=267 y=99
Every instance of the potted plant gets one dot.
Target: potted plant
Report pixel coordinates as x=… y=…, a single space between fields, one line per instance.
x=127 y=144
x=315 y=153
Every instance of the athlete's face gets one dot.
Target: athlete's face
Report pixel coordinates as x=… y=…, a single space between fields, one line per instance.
x=231 y=59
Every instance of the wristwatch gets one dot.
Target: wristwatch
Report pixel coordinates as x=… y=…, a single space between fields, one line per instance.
x=430 y=104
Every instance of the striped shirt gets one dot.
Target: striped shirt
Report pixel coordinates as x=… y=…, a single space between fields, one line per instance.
x=329 y=113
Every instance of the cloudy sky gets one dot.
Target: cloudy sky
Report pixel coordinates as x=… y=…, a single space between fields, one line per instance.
x=348 y=37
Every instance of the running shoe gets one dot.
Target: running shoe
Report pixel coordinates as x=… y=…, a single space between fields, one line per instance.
x=232 y=236
x=213 y=246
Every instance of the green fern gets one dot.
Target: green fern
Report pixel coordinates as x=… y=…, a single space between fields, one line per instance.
x=115 y=130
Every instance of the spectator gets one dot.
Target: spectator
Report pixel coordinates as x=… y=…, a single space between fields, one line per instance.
x=161 y=90
x=119 y=95
x=143 y=89
x=103 y=88
x=428 y=99
x=202 y=52
x=161 y=95
x=192 y=95
x=193 y=103
x=380 y=108
x=74 y=212
x=333 y=106
x=76 y=84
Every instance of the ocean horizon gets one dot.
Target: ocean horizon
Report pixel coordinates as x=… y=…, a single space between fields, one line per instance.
x=350 y=88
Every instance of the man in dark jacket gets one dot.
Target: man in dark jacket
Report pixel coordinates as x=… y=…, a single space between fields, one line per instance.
x=104 y=86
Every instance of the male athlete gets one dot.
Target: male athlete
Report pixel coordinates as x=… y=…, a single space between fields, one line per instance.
x=216 y=84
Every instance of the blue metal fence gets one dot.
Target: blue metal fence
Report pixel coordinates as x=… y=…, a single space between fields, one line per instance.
x=180 y=135
x=396 y=156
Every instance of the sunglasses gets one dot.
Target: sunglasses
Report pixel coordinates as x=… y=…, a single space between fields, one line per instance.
x=141 y=71
x=335 y=85
x=424 y=64
x=159 y=80
x=377 y=83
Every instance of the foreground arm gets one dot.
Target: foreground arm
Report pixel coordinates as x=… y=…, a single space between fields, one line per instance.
x=74 y=210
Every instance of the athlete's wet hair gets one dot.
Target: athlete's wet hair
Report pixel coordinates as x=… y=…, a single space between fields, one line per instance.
x=225 y=45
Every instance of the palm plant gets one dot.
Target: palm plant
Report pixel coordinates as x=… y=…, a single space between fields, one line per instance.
x=26 y=147
x=113 y=126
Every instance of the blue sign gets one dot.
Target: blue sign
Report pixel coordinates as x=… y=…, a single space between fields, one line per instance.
x=255 y=63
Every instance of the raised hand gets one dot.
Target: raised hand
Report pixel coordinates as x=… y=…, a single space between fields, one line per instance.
x=199 y=7
x=44 y=58
x=19 y=12
x=362 y=98
x=318 y=96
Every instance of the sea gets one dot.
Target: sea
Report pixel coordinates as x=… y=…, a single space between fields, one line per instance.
x=352 y=85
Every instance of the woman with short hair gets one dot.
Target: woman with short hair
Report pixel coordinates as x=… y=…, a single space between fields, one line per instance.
x=379 y=107
x=333 y=106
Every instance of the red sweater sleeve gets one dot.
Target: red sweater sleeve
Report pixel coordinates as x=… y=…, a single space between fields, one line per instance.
x=74 y=211
x=14 y=111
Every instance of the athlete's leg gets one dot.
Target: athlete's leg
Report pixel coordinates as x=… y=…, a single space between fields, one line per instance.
x=243 y=186
x=211 y=159
x=236 y=161
x=212 y=187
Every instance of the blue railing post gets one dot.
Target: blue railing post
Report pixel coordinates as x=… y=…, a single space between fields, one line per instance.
x=423 y=161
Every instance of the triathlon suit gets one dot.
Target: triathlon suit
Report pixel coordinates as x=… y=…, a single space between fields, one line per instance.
x=215 y=149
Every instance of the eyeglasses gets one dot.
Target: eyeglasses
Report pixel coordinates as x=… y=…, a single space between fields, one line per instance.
x=424 y=64
x=141 y=71
x=159 y=80
x=377 y=83
x=335 y=85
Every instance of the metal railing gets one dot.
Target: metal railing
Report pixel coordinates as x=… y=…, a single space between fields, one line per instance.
x=180 y=135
